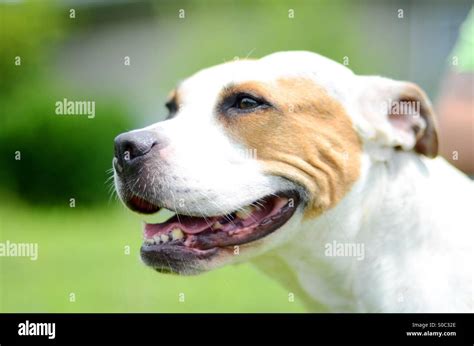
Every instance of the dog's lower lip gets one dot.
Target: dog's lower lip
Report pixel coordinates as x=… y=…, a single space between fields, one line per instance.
x=170 y=258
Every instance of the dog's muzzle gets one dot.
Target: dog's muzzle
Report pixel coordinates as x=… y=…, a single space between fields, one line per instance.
x=189 y=238
x=135 y=151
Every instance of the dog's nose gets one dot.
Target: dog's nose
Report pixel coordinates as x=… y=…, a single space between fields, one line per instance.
x=131 y=145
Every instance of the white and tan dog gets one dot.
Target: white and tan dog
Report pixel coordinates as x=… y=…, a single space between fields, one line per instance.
x=326 y=180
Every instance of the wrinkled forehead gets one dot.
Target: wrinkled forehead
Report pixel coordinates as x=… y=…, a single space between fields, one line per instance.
x=206 y=85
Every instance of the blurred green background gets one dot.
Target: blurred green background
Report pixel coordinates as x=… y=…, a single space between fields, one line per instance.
x=82 y=250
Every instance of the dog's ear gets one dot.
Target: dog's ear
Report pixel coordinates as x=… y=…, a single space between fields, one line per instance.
x=400 y=113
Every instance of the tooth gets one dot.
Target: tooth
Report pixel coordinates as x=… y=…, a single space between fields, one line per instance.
x=157 y=238
x=164 y=238
x=245 y=212
x=216 y=225
x=149 y=241
x=177 y=234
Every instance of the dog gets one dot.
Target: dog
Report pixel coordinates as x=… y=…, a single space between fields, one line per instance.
x=326 y=180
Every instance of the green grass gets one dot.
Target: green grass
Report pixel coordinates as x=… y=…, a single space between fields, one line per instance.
x=82 y=251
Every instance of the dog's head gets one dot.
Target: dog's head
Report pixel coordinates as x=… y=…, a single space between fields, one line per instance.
x=250 y=148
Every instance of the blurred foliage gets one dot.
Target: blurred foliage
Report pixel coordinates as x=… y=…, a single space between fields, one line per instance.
x=27 y=30
x=62 y=157
x=255 y=28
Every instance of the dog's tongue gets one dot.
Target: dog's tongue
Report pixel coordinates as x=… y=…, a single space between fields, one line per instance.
x=193 y=225
x=188 y=224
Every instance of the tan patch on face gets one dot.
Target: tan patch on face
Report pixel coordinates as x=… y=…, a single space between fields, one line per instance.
x=306 y=137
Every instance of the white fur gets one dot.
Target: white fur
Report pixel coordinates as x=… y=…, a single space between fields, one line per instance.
x=414 y=217
x=413 y=214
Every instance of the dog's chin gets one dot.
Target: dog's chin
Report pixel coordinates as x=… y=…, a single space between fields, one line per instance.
x=187 y=244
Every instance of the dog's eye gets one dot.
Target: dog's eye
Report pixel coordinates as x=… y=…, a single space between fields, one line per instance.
x=242 y=103
x=245 y=102
x=172 y=108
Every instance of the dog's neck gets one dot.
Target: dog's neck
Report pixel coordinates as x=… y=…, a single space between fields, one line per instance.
x=380 y=218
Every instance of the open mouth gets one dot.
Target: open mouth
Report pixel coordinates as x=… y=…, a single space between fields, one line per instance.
x=183 y=238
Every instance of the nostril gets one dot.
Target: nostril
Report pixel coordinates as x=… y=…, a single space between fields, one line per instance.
x=128 y=151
